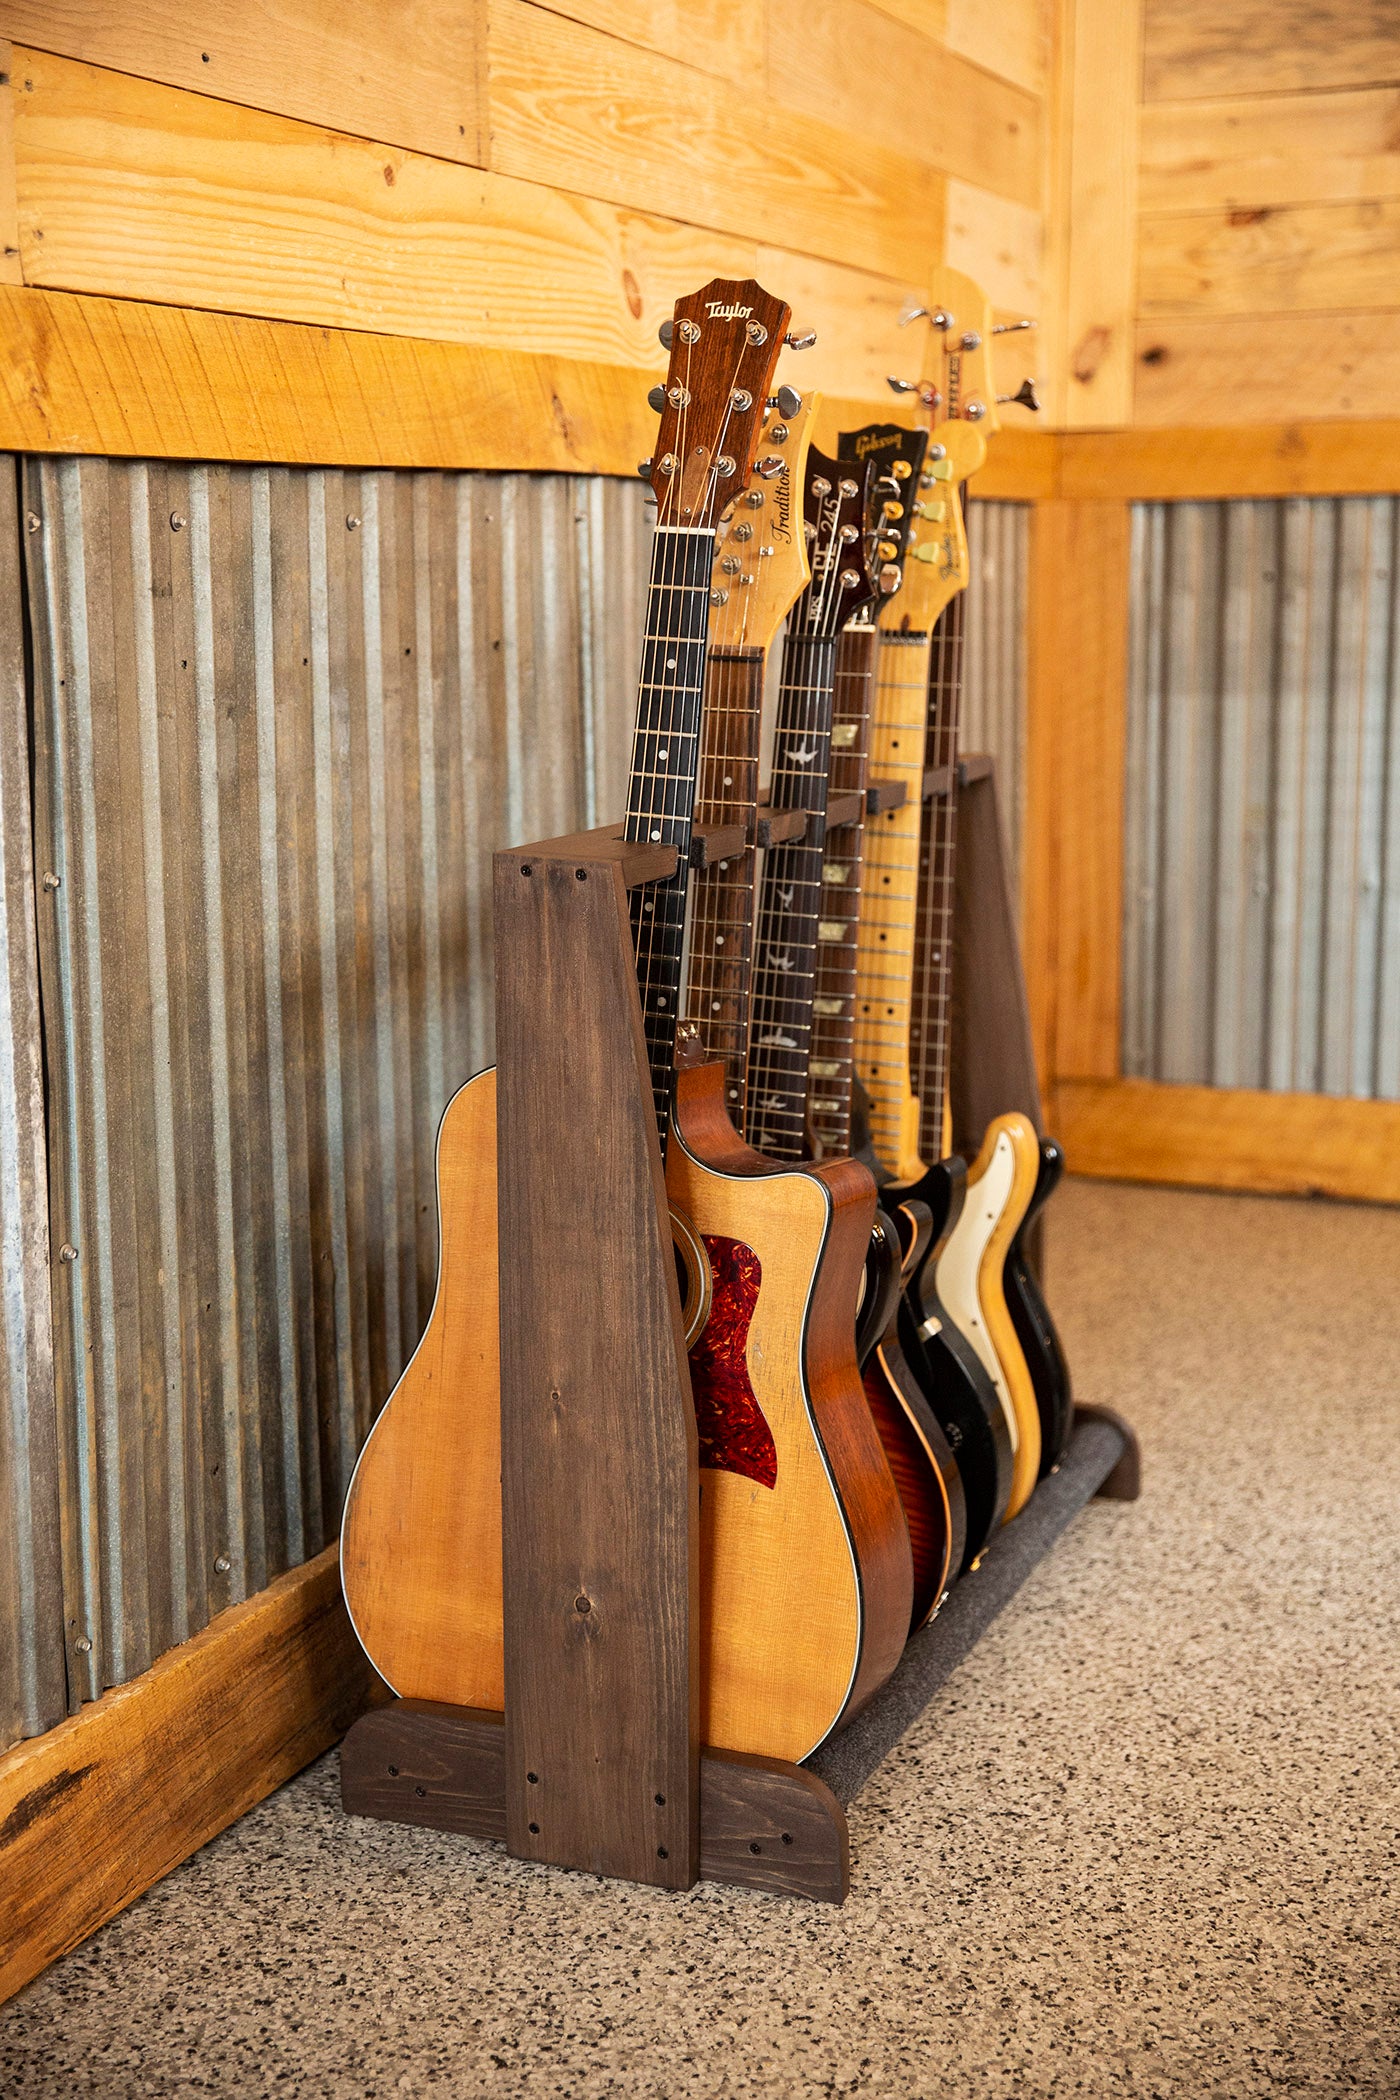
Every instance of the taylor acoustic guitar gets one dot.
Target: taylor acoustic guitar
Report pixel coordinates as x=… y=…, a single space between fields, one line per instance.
x=791 y=934
x=870 y=976
x=421 y=1540
x=805 y=1563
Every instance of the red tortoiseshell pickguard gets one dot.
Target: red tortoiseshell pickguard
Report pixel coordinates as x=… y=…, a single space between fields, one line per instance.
x=734 y=1438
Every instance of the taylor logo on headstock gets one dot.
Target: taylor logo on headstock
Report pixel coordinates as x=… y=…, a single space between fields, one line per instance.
x=717 y=311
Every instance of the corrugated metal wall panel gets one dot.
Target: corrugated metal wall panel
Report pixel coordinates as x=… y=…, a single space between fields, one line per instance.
x=994 y=668
x=282 y=720
x=1261 y=938
x=33 y=1683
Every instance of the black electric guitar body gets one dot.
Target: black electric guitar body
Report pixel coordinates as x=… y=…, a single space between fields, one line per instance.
x=1035 y=1330
x=944 y=1364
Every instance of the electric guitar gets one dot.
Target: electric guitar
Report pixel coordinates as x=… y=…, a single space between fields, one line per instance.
x=790 y=939
x=806 y=1571
x=963 y=1278
x=868 y=974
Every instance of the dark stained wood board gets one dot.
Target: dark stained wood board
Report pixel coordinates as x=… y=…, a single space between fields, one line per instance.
x=598 y=1440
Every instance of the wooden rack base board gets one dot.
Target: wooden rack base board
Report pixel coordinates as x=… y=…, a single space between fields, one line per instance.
x=763 y=1824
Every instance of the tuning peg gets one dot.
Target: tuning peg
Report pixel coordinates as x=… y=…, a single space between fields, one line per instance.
x=890 y=578
x=644 y=467
x=1010 y=327
x=929 y=396
x=801 y=338
x=787 y=401
x=1025 y=395
x=665 y=333
x=768 y=469
x=911 y=311
x=928 y=550
x=657 y=398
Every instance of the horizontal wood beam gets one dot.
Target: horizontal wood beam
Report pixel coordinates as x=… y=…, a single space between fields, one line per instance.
x=1230 y=1138
x=1340 y=458
x=99 y=1808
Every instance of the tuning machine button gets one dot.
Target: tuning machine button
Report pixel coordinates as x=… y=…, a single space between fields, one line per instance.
x=656 y=399
x=1025 y=395
x=787 y=401
x=927 y=550
x=1010 y=327
x=666 y=334
x=889 y=578
x=935 y=513
x=769 y=469
x=800 y=338
x=644 y=467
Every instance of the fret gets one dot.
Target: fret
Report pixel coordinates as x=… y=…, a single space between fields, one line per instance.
x=722 y=912
x=932 y=980
x=833 y=1004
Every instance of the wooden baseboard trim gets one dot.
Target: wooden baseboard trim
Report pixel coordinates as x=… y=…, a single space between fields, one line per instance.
x=101 y=1807
x=1230 y=1138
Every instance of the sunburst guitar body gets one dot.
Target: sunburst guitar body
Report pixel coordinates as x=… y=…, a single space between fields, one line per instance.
x=969 y=1277
x=806 y=1579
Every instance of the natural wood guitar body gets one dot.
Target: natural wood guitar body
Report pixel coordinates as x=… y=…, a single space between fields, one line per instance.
x=420 y=1546
x=807 y=1583
x=969 y=1279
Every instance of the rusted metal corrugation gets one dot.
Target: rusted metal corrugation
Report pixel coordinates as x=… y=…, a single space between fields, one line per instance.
x=283 y=718
x=33 y=1685
x=1261 y=937
x=994 y=670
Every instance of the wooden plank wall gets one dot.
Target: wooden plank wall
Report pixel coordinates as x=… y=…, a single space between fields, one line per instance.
x=518 y=178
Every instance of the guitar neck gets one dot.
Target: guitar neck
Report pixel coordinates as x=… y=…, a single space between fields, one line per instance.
x=661 y=789
x=831 y=1066
x=886 y=936
x=789 y=913
x=722 y=906
x=931 y=1011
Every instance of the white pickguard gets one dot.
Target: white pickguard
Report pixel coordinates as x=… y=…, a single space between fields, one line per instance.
x=960 y=1263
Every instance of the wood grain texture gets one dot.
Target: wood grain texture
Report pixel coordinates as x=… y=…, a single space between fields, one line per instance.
x=598 y=1440
x=94 y=1812
x=1011 y=39
x=999 y=242
x=1248 y=151
x=1278 y=260
x=806 y=1588
x=1272 y=459
x=907 y=92
x=584 y=113
x=1093 y=201
x=764 y=1824
x=1076 y=725
x=720 y=36
x=1228 y=1138
x=10 y=272
x=408 y=75
x=1267 y=47
x=421 y=1540
x=1021 y=465
x=1323 y=365
x=187 y=201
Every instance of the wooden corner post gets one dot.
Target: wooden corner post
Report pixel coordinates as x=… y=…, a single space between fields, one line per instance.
x=598 y=1443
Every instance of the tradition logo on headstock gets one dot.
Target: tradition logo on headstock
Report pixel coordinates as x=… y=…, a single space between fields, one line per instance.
x=761 y=560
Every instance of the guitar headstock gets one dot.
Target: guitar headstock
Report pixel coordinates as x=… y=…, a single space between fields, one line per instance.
x=724 y=342
x=761 y=560
x=835 y=514
x=909 y=495
x=964 y=401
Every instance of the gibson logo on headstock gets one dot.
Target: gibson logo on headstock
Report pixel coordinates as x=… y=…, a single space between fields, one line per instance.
x=866 y=445
x=718 y=311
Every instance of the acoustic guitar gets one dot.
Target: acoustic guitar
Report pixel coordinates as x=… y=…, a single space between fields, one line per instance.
x=420 y=1543
x=806 y=1571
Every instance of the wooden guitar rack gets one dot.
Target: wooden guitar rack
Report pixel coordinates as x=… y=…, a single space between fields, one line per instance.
x=595 y=1763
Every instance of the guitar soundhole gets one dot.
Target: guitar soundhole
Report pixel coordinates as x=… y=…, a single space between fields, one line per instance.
x=734 y=1437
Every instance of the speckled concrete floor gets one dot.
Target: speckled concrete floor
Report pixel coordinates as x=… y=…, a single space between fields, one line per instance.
x=1144 y=1845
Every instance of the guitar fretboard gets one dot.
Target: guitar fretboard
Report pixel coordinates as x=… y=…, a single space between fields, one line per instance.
x=722 y=903
x=931 y=1011
x=831 y=1067
x=789 y=912
x=886 y=933
x=661 y=790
